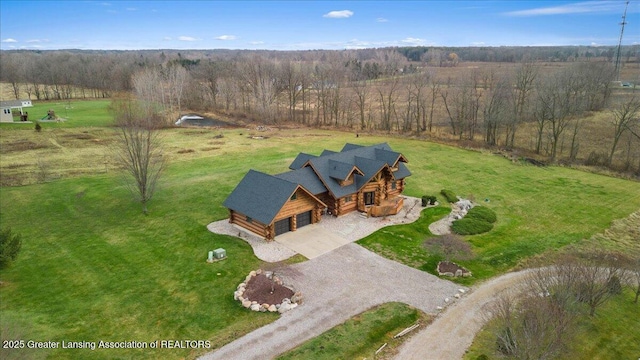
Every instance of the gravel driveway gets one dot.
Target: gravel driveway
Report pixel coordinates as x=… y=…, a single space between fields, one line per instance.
x=337 y=286
x=451 y=334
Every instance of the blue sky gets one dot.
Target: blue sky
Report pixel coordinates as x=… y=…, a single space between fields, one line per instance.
x=302 y=25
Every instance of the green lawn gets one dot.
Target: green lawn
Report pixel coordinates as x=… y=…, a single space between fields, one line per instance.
x=94 y=268
x=360 y=336
x=538 y=208
x=73 y=114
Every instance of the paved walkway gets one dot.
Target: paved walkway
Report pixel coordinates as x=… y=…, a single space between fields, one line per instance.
x=337 y=286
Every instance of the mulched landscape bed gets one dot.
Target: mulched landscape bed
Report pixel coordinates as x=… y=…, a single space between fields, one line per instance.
x=259 y=290
x=449 y=268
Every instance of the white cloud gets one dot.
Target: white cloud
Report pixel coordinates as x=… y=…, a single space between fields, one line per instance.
x=381 y=20
x=167 y=38
x=226 y=37
x=478 y=43
x=339 y=14
x=413 y=41
x=576 y=8
x=9 y=40
x=256 y=42
x=186 y=38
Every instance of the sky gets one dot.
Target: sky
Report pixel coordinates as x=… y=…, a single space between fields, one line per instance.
x=305 y=25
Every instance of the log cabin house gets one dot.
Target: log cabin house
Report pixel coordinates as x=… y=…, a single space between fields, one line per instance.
x=358 y=178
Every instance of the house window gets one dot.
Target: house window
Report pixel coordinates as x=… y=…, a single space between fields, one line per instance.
x=347 y=198
x=249 y=220
x=369 y=198
x=393 y=185
x=294 y=196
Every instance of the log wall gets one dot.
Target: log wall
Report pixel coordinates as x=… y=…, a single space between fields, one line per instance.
x=303 y=202
x=253 y=225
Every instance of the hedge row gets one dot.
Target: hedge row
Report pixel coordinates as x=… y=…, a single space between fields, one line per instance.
x=449 y=195
x=478 y=220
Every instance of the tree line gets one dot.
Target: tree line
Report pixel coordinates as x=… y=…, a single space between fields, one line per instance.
x=527 y=105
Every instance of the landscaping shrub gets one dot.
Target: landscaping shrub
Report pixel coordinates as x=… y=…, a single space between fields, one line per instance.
x=482 y=213
x=467 y=226
x=449 y=195
x=10 y=244
x=428 y=200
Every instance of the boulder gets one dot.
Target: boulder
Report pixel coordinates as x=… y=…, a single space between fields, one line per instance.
x=272 y=308
x=284 y=308
x=297 y=297
x=255 y=307
x=252 y=273
x=246 y=303
x=241 y=285
x=259 y=271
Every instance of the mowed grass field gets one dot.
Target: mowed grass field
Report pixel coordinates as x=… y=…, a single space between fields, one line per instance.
x=93 y=268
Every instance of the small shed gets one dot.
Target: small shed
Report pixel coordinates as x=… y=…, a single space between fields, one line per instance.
x=7 y=108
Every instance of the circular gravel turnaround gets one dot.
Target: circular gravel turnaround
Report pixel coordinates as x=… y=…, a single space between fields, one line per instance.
x=337 y=286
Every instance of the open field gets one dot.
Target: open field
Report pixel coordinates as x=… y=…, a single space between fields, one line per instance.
x=94 y=268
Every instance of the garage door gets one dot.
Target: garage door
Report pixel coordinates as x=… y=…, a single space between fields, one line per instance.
x=303 y=219
x=282 y=226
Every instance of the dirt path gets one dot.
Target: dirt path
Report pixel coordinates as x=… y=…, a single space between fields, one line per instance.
x=451 y=334
x=336 y=286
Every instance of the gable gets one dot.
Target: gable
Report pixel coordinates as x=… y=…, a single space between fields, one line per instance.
x=260 y=196
x=300 y=160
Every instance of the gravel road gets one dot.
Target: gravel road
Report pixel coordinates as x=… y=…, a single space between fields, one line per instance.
x=451 y=334
x=337 y=286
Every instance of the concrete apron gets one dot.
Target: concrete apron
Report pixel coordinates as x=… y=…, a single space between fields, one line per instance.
x=311 y=241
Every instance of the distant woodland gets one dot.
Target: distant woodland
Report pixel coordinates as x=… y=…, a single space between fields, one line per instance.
x=575 y=105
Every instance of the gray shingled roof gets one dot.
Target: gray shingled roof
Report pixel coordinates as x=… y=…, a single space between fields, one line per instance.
x=12 y=103
x=339 y=170
x=300 y=160
x=260 y=196
x=305 y=177
x=368 y=159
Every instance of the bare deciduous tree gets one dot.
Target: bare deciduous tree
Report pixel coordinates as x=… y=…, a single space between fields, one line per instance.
x=138 y=149
x=623 y=116
x=525 y=77
x=531 y=326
